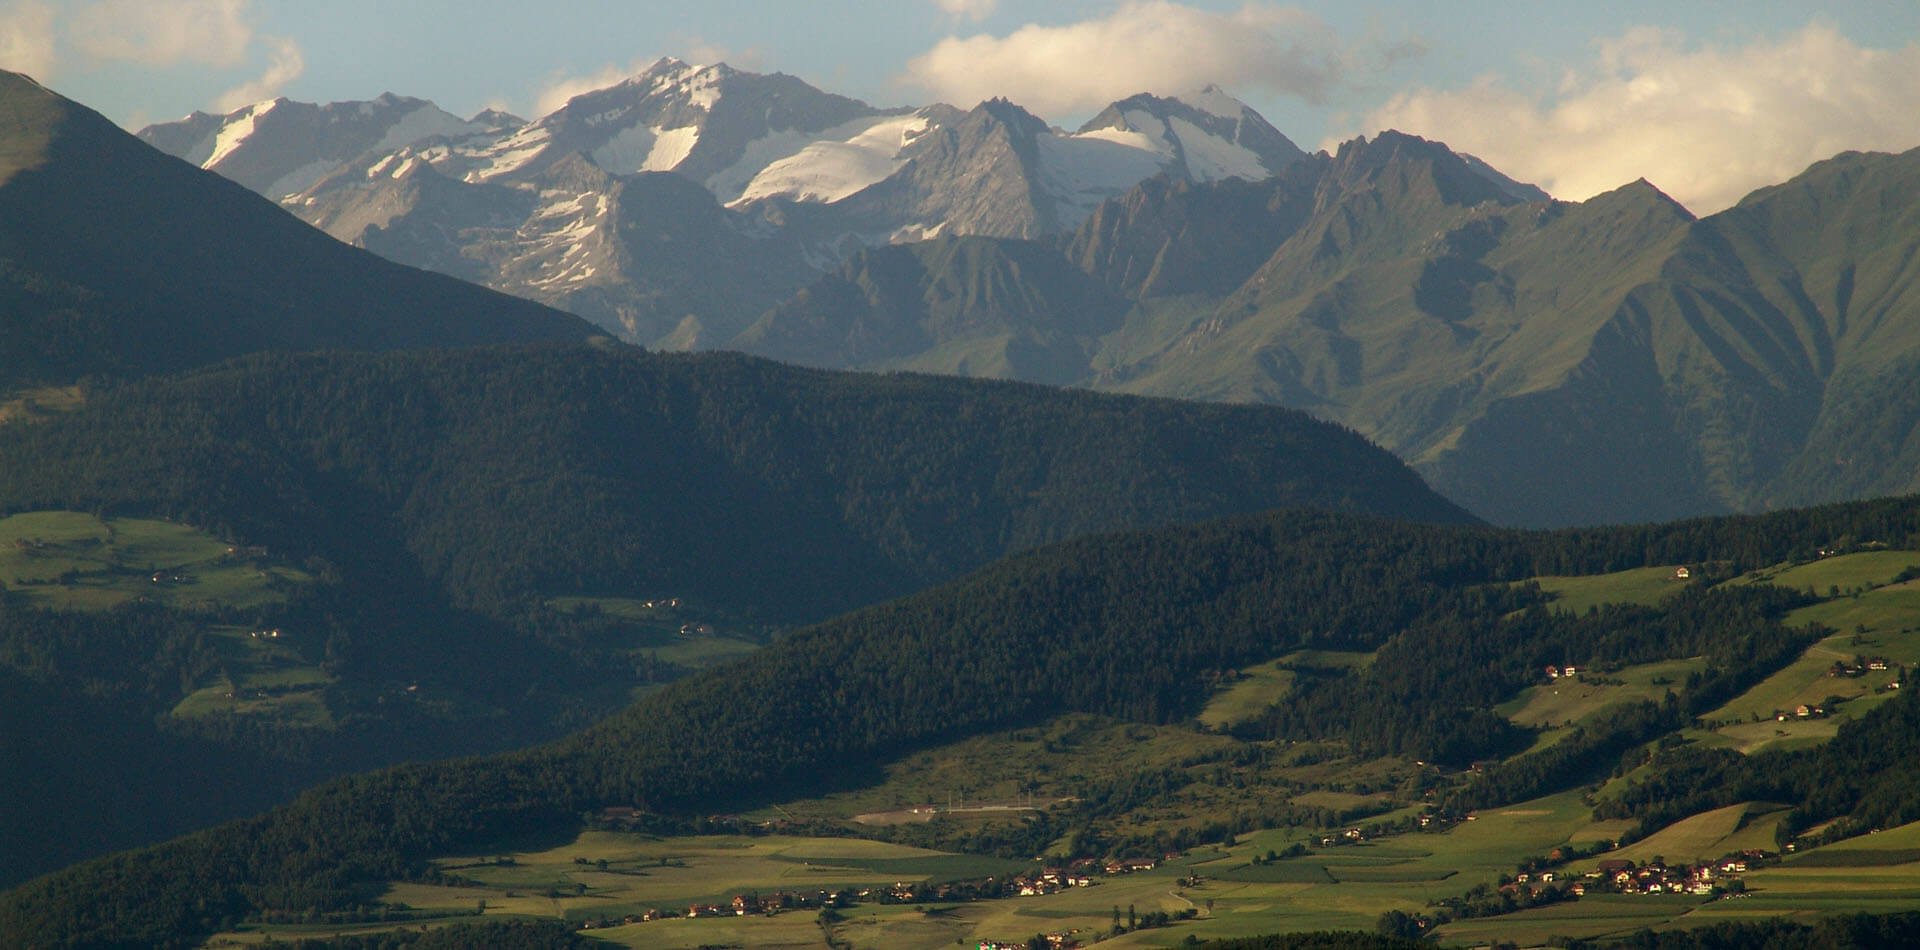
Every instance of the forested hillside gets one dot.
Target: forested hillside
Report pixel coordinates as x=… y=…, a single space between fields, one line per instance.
x=602 y=470
x=1128 y=625
x=469 y=551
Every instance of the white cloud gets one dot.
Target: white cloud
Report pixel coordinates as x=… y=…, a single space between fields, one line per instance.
x=164 y=32
x=697 y=50
x=285 y=64
x=558 y=90
x=975 y=10
x=26 y=38
x=1142 y=46
x=1706 y=125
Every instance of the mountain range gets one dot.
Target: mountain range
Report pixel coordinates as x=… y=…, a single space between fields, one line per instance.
x=565 y=210
x=1542 y=362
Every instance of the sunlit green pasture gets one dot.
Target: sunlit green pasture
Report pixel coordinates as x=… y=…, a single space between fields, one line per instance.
x=1838 y=574
x=1035 y=764
x=1641 y=585
x=655 y=628
x=1882 y=622
x=1703 y=837
x=271 y=677
x=38 y=404
x=1246 y=698
x=74 y=560
x=1571 y=700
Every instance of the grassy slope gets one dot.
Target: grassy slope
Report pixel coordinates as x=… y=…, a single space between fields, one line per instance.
x=112 y=562
x=1577 y=699
x=1640 y=585
x=1875 y=619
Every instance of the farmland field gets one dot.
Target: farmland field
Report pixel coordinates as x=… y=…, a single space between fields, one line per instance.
x=74 y=560
x=1573 y=699
x=1260 y=686
x=34 y=405
x=1704 y=837
x=1643 y=585
x=1301 y=872
x=1842 y=573
x=676 y=633
x=606 y=875
x=1874 y=622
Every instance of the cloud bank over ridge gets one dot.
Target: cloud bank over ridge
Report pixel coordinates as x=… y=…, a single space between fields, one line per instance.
x=1705 y=124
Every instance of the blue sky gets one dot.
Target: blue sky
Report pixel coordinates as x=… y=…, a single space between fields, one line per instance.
x=1706 y=99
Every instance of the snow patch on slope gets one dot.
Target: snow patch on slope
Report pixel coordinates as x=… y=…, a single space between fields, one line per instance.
x=730 y=182
x=511 y=153
x=702 y=86
x=556 y=237
x=1211 y=158
x=426 y=121
x=1080 y=171
x=840 y=162
x=642 y=148
x=670 y=148
x=236 y=132
x=1139 y=130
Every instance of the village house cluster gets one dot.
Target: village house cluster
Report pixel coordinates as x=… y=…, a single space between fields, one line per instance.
x=743 y=905
x=1056 y=941
x=1861 y=666
x=1046 y=881
x=1620 y=876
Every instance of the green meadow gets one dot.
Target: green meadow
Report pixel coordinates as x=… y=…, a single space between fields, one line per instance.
x=267 y=676
x=1244 y=699
x=1871 y=618
x=75 y=561
x=1703 y=837
x=39 y=404
x=1644 y=585
x=1571 y=700
x=605 y=875
x=1837 y=574
x=654 y=627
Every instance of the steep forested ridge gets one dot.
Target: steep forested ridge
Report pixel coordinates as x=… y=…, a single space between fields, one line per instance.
x=1125 y=625
x=605 y=469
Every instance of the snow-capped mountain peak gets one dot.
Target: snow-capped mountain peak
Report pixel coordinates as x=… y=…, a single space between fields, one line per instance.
x=552 y=207
x=279 y=147
x=1213 y=100
x=1204 y=135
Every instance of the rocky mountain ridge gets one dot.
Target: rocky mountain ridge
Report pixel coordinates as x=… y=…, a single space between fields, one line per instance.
x=798 y=179
x=1542 y=362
